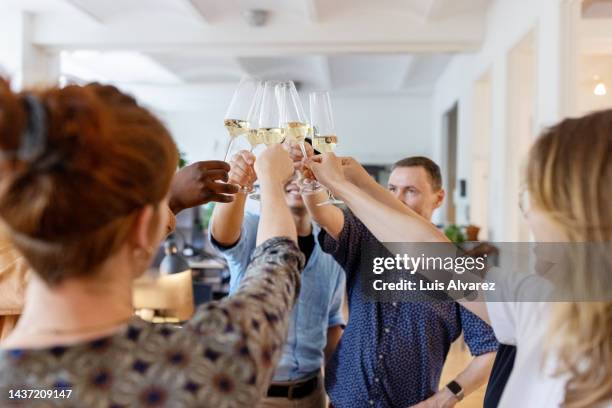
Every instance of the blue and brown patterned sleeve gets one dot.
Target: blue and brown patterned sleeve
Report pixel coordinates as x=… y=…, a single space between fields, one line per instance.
x=347 y=249
x=479 y=336
x=248 y=329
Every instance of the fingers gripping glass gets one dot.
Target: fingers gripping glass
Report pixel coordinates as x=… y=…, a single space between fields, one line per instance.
x=238 y=115
x=266 y=119
x=324 y=137
x=293 y=120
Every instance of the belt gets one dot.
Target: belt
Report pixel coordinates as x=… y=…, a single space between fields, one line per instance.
x=298 y=390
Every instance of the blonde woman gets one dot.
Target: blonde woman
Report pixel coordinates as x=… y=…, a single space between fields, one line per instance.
x=564 y=355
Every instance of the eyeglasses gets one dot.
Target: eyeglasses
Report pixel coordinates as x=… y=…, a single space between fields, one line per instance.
x=524 y=200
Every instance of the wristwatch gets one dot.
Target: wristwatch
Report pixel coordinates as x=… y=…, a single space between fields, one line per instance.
x=456 y=389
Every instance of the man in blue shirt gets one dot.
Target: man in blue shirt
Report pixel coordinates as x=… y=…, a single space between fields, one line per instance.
x=392 y=354
x=316 y=324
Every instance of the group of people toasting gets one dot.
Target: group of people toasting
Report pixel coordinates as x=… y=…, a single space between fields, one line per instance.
x=88 y=189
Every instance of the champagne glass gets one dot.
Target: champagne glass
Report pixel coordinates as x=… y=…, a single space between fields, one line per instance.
x=269 y=126
x=293 y=120
x=236 y=117
x=267 y=119
x=253 y=117
x=324 y=137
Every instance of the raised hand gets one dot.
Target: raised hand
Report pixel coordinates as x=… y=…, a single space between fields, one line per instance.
x=297 y=155
x=328 y=170
x=242 y=171
x=295 y=151
x=354 y=172
x=200 y=183
x=274 y=165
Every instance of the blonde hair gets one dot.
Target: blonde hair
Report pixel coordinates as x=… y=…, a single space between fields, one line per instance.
x=569 y=175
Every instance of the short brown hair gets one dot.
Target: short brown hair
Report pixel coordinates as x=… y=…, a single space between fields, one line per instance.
x=102 y=159
x=429 y=165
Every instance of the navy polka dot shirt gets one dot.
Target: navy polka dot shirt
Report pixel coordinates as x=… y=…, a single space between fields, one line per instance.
x=392 y=354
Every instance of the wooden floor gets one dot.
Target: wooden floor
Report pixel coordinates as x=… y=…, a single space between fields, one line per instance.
x=458 y=358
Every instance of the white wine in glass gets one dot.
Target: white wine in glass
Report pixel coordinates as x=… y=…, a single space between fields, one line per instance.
x=253 y=118
x=265 y=120
x=269 y=128
x=253 y=138
x=324 y=137
x=236 y=127
x=297 y=131
x=324 y=144
x=241 y=105
x=294 y=121
x=270 y=136
x=293 y=118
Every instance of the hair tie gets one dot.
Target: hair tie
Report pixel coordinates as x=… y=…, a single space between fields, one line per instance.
x=34 y=138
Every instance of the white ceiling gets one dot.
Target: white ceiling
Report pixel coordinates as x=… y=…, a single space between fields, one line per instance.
x=383 y=46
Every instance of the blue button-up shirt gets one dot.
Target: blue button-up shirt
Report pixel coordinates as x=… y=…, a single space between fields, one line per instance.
x=318 y=308
x=391 y=354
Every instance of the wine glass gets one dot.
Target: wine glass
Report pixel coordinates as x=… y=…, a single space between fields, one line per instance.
x=236 y=117
x=253 y=117
x=293 y=119
x=266 y=116
x=269 y=126
x=324 y=137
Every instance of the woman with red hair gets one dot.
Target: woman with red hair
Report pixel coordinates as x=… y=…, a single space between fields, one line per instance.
x=85 y=174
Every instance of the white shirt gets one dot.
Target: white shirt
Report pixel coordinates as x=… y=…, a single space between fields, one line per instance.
x=525 y=325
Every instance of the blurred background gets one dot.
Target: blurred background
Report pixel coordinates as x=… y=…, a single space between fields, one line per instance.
x=469 y=83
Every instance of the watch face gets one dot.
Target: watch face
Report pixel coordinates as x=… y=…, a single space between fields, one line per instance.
x=454 y=388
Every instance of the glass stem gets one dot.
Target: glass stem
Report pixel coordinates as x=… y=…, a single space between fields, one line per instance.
x=229 y=146
x=248 y=189
x=303 y=147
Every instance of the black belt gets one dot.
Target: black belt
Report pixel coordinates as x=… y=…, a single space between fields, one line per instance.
x=294 y=391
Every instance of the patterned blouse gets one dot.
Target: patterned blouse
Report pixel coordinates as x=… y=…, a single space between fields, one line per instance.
x=223 y=357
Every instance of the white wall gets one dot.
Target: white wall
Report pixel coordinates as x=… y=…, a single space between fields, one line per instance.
x=507 y=23
x=380 y=130
x=24 y=63
x=11 y=26
x=374 y=129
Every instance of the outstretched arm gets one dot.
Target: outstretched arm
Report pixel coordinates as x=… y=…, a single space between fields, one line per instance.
x=329 y=217
x=388 y=224
x=356 y=174
x=274 y=167
x=249 y=328
x=228 y=217
x=200 y=183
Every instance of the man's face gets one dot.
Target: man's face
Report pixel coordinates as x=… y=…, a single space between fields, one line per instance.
x=412 y=186
x=293 y=196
